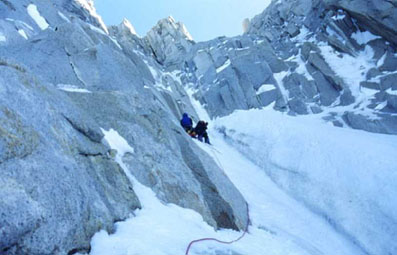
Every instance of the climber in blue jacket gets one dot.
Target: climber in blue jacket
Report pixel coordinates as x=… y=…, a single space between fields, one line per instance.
x=187 y=123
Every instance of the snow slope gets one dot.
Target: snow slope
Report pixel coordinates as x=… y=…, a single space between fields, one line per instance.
x=280 y=224
x=347 y=176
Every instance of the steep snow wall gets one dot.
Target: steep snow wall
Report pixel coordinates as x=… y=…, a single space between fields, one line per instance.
x=346 y=176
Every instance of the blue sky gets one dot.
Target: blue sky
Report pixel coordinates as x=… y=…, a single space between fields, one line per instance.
x=205 y=19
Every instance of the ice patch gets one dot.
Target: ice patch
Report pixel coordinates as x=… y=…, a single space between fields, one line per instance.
x=96 y=29
x=265 y=88
x=224 y=66
x=381 y=106
x=279 y=78
x=35 y=15
x=391 y=92
x=72 y=88
x=381 y=61
x=339 y=16
x=117 y=142
x=2 y=38
x=23 y=34
x=242 y=49
x=152 y=70
x=115 y=42
x=364 y=37
x=63 y=17
x=185 y=32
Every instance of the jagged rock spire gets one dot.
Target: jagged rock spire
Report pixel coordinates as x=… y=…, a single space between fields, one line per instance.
x=169 y=40
x=126 y=25
x=88 y=5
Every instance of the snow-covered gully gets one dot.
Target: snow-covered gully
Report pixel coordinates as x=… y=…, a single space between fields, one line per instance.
x=280 y=225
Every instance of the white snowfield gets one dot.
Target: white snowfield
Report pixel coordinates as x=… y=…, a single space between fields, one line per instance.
x=36 y=16
x=342 y=172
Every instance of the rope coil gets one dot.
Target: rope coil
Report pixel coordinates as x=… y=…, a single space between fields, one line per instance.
x=220 y=241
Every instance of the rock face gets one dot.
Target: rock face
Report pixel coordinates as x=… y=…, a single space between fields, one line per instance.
x=291 y=56
x=330 y=31
x=60 y=182
x=169 y=41
x=379 y=17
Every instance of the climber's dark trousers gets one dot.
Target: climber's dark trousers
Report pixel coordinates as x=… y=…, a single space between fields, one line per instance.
x=205 y=136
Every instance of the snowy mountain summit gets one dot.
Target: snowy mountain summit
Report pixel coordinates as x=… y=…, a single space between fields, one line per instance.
x=303 y=116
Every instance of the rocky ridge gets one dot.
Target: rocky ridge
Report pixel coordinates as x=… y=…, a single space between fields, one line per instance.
x=293 y=55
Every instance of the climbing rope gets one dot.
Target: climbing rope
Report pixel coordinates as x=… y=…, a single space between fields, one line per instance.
x=217 y=159
x=220 y=241
x=217 y=240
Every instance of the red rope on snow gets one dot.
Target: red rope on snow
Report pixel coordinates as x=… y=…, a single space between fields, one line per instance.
x=219 y=241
